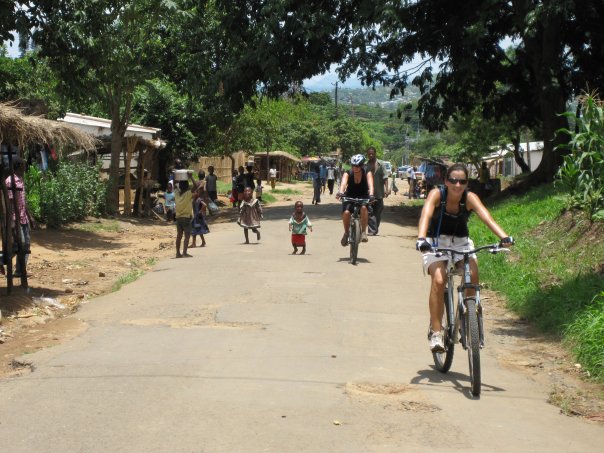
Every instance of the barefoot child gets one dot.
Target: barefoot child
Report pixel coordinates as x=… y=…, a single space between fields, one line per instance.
x=199 y=226
x=298 y=224
x=250 y=214
x=183 y=212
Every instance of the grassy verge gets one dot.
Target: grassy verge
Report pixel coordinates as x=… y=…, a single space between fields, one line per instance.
x=553 y=277
x=134 y=274
x=109 y=226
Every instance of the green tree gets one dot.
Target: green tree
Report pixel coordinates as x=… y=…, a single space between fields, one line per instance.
x=549 y=62
x=101 y=51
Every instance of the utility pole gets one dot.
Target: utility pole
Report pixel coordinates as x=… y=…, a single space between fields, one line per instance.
x=336 y=99
x=352 y=106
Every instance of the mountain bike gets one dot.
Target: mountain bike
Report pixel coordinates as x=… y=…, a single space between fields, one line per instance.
x=354 y=230
x=464 y=324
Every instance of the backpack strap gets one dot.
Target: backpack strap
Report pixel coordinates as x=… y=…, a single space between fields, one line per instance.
x=443 y=203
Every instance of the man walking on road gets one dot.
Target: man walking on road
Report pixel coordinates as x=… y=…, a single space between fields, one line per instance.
x=380 y=190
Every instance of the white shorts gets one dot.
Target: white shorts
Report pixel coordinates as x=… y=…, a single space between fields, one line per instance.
x=449 y=242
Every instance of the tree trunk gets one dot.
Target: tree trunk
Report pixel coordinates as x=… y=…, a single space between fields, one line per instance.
x=118 y=130
x=518 y=157
x=546 y=51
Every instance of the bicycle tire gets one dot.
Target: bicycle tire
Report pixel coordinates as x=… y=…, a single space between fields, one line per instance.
x=473 y=342
x=443 y=360
x=355 y=238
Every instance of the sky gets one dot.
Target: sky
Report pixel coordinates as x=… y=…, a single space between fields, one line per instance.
x=327 y=81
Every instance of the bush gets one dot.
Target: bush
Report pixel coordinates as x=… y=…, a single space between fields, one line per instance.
x=586 y=333
x=582 y=173
x=70 y=193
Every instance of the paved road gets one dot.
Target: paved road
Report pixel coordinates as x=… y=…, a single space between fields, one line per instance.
x=246 y=348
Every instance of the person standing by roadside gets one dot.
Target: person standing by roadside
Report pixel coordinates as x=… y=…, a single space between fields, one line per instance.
x=211 y=180
x=199 y=226
x=323 y=175
x=411 y=179
x=316 y=182
x=184 y=214
x=234 y=188
x=483 y=179
x=248 y=177
x=240 y=185
x=26 y=221
x=272 y=176
x=380 y=190
x=331 y=178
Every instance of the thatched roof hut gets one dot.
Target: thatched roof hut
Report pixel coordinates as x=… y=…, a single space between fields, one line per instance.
x=16 y=128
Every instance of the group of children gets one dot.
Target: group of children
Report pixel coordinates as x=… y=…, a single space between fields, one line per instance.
x=190 y=204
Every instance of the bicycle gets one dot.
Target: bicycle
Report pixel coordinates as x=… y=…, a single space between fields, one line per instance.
x=354 y=230
x=467 y=319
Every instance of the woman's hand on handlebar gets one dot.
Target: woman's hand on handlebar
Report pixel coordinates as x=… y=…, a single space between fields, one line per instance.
x=422 y=245
x=339 y=195
x=506 y=242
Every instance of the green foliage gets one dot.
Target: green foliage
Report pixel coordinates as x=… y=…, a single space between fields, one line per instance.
x=585 y=334
x=582 y=173
x=71 y=193
x=33 y=186
x=551 y=276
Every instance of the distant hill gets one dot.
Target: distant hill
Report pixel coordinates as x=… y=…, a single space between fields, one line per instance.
x=378 y=97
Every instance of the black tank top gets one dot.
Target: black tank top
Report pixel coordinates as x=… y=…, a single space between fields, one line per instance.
x=360 y=190
x=451 y=224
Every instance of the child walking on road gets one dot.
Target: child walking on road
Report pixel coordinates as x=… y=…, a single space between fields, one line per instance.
x=250 y=214
x=298 y=224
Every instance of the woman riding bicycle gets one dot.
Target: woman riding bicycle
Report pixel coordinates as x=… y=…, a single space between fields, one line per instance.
x=449 y=229
x=356 y=183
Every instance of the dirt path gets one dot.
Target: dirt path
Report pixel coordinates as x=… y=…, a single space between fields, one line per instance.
x=284 y=347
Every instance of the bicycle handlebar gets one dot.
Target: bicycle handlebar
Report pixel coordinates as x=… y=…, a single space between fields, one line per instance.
x=492 y=248
x=361 y=201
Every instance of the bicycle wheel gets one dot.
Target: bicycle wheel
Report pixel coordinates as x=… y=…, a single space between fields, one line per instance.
x=443 y=360
x=473 y=342
x=355 y=238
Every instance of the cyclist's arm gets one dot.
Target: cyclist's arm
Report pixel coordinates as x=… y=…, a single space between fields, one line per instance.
x=474 y=204
x=344 y=182
x=432 y=201
x=370 y=183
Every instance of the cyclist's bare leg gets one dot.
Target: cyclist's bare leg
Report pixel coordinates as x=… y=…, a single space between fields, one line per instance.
x=346 y=220
x=364 y=219
x=438 y=274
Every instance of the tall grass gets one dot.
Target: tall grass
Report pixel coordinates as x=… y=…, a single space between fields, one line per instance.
x=551 y=277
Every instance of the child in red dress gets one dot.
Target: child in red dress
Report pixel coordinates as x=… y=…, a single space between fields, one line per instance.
x=298 y=224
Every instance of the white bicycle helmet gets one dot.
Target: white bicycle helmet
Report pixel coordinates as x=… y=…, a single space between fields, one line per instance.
x=357 y=159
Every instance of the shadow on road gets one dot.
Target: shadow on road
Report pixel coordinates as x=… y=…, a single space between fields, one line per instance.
x=461 y=382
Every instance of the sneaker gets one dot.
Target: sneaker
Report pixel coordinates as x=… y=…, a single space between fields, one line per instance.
x=364 y=237
x=437 y=343
x=344 y=240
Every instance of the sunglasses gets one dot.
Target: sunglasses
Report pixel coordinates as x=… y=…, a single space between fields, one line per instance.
x=454 y=181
